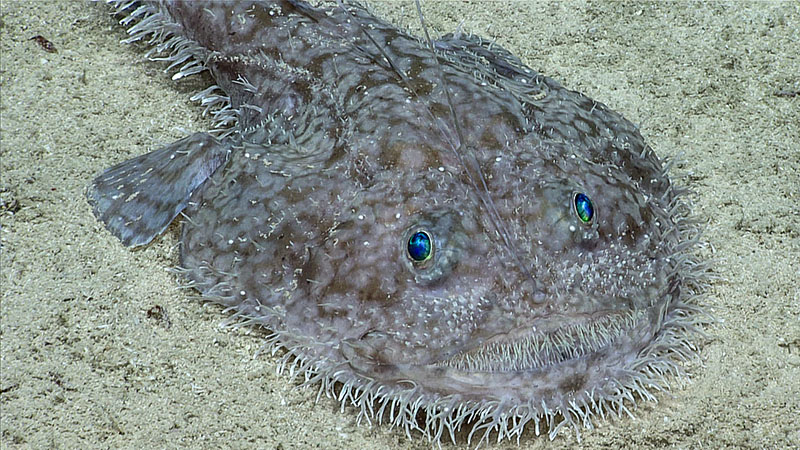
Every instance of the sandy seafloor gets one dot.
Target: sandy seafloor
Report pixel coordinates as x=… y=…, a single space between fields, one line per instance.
x=83 y=366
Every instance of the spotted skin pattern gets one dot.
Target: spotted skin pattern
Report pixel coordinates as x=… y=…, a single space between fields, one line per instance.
x=347 y=137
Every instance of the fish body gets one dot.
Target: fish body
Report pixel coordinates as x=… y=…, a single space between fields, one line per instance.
x=436 y=233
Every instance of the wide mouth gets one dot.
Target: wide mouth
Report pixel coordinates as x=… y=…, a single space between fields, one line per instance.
x=543 y=345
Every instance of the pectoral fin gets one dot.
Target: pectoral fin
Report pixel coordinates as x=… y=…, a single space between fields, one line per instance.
x=139 y=198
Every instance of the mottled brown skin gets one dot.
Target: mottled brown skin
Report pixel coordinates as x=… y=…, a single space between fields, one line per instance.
x=350 y=146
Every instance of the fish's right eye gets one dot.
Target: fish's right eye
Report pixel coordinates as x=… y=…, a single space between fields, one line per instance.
x=420 y=247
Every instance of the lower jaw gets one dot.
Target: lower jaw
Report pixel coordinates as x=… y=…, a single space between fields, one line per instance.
x=560 y=370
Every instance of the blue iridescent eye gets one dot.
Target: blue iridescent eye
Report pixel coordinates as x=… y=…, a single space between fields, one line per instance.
x=420 y=247
x=584 y=207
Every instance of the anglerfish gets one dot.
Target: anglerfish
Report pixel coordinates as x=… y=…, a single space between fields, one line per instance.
x=433 y=232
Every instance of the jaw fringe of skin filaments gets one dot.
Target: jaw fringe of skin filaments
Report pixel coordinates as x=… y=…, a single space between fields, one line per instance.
x=437 y=418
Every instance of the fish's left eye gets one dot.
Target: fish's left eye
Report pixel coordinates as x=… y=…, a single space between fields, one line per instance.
x=420 y=247
x=584 y=208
